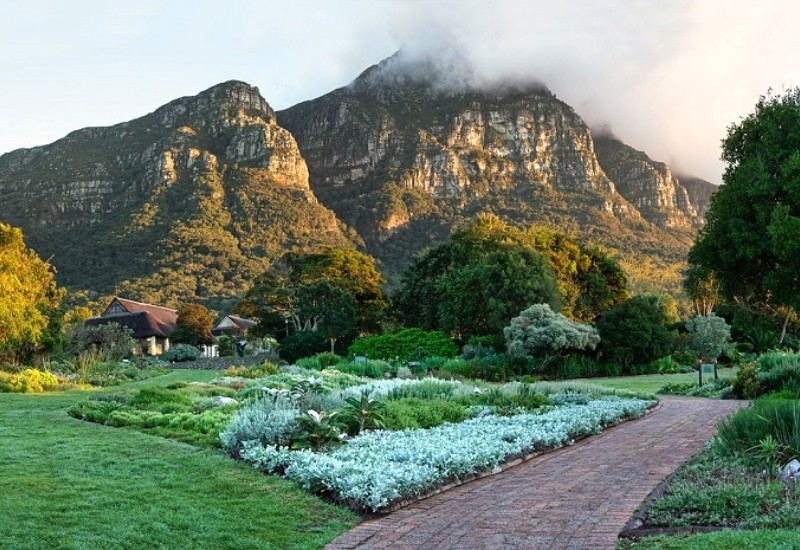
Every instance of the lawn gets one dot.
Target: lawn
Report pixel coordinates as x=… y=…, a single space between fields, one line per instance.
x=651 y=383
x=723 y=540
x=73 y=484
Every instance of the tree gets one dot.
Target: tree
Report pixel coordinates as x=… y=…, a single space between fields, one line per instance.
x=324 y=308
x=751 y=239
x=636 y=331
x=709 y=336
x=474 y=282
x=703 y=289
x=29 y=297
x=273 y=297
x=112 y=340
x=539 y=330
x=193 y=325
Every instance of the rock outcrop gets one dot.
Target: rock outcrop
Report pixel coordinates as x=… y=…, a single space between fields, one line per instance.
x=193 y=199
x=197 y=198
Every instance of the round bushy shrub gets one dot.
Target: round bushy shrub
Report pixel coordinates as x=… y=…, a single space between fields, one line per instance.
x=180 y=353
x=304 y=343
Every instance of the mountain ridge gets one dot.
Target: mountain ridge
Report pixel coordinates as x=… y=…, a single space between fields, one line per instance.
x=197 y=197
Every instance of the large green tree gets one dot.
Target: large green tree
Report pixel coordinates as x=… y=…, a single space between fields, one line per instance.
x=476 y=280
x=276 y=296
x=28 y=296
x=751 y=241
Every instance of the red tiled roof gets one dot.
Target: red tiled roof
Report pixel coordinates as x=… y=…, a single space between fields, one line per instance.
x=144 y=319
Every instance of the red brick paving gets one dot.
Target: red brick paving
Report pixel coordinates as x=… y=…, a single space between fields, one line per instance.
x=578 y=497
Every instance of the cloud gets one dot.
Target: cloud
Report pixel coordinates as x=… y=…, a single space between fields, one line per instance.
x=667 y=76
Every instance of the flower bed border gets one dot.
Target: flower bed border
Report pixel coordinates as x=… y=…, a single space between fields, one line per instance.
x=499 y=469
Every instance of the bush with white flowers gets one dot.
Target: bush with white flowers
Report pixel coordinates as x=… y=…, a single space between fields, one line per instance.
x=380 y=467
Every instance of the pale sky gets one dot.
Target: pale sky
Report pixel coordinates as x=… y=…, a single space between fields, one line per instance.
x=667 y=76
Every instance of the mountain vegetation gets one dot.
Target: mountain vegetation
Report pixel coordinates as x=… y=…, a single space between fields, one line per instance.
x=191 y=203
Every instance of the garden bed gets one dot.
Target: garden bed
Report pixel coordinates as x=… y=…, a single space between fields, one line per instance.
x=732 y=484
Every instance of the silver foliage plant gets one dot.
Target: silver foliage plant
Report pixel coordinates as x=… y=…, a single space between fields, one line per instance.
x=540 y=331
x=271 y=420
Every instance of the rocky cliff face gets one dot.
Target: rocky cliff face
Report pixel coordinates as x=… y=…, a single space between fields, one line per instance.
x=406 y=151
x=660 y=196
x=198 y=197
x=193 y=199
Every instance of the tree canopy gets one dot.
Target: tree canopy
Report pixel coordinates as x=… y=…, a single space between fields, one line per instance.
x=476 y=280
x=540 y=331
x=286 y=292
x=28 y=296
x=751 y=240
x=637 y=331
x=193 y=325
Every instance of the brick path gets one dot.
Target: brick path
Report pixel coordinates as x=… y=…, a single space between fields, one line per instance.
x=578 y=497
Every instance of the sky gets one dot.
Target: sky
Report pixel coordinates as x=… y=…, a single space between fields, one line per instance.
x=666 y=76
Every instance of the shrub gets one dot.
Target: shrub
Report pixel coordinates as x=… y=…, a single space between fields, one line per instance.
x=327 y=359
x=363 y=413
x=161 y=400
x=748 y=428
x=271 y=421
x=260 y=371
x=666 y=365
x=111 y=339
x=180 y=353
x=412 y=412
x=746 y=384
x=636 y=332
x=539 y=330
x=406 y=344
x=226 y=346
x=370 y=369
x=318 y=431
x=303 y=343
x=577 y=366
x=29 y=381
x=309 y=363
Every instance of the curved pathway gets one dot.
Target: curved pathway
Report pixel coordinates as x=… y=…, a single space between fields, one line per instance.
x=577 y=497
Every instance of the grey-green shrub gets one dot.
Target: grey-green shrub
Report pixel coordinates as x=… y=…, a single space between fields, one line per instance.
x=271 y=420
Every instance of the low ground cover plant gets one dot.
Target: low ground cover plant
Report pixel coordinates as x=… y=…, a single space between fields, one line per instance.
x=187 y=412
x=380 y=467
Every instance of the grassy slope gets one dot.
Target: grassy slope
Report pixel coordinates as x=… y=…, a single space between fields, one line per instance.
x=651 y=383
x=73 y=484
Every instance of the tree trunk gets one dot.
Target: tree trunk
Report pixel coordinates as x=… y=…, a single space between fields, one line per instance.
x=333 y=341
x=785 y=326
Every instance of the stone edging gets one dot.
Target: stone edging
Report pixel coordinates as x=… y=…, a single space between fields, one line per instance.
x=499 y=469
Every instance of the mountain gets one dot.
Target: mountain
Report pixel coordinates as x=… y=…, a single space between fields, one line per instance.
x=194 y=199
x=412 y=147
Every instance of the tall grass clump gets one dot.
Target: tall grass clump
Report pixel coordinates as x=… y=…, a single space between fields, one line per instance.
x=776 y=420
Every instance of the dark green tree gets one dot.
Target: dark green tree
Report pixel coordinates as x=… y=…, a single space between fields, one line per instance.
x=29 y=298
x=636 y=331
x=480 y=277
x=193 y=325
x=751 y=239
x=324 y=308
x=273 y=297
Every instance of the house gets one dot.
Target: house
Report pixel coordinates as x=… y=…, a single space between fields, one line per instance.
x=233 y=326
x=151 y=325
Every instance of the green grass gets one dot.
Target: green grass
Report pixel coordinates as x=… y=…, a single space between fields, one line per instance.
x=723 y=540
x=651 y=383
x=73 y=484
